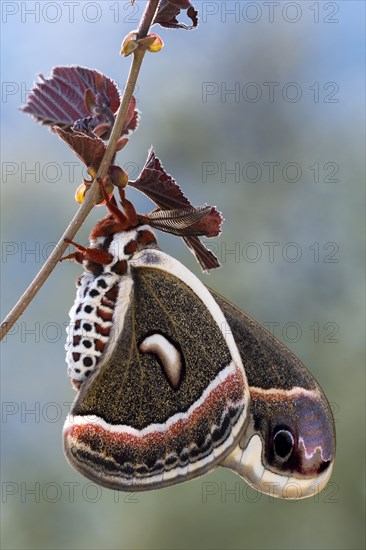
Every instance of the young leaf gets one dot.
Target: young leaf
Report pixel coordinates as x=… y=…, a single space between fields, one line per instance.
x=90 y=150
x=169 y=10
x=64 y=97
x=101 y=123
x=161 y=188
x=132 y=118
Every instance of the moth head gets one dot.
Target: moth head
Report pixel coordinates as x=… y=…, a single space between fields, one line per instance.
x=289 y=451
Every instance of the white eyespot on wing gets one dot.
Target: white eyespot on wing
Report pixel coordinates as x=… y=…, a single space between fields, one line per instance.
x=169 y=356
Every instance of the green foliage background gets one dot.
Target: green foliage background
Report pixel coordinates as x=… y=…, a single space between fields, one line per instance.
x=65 y=511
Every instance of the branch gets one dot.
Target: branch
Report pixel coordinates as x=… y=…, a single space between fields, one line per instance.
x=93 y=193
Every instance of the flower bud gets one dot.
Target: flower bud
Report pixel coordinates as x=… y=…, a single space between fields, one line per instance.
x=80 y=193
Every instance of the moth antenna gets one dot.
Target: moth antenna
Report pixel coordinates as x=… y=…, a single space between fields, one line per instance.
x=178 y=221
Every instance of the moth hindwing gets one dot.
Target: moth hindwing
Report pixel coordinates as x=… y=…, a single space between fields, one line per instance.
x=288 y=448
x=162 y=393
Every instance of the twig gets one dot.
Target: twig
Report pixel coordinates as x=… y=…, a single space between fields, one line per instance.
x=147 y=18
x=93 y=193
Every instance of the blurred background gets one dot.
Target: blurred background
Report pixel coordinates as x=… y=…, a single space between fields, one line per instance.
x=260 y=111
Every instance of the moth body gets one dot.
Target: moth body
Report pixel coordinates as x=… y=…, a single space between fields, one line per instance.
x=94 y=312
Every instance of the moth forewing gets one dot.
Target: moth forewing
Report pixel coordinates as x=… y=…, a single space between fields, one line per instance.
x=169 y=398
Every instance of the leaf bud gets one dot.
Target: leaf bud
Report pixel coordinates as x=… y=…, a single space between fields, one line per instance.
x=129 y=44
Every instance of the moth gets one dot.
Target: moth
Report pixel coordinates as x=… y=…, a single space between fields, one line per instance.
x=173 y=380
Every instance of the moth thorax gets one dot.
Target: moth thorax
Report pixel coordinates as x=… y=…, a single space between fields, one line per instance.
x=125 y=244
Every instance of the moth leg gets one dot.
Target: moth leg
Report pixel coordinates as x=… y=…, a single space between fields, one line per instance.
x=113 y=208
x=129 y=209
x=96 y=255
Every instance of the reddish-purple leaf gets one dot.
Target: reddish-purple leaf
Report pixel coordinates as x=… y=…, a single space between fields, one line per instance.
x=60 y=99
x=132 y=118
x=209 y=225
x=161 y=188
x=101 y=123
x=169 y=10
x=90 y=150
